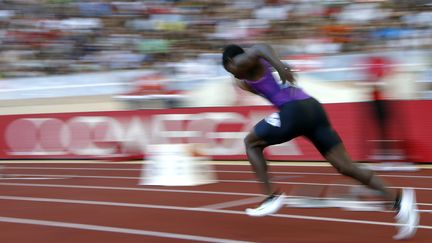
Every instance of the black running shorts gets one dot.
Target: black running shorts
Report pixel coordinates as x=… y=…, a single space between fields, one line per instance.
x=299 y=118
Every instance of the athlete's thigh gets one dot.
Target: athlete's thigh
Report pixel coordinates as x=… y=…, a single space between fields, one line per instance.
x=275 y=129
x=324 y=138
x=321 y=132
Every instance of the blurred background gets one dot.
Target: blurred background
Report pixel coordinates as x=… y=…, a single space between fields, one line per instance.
x=141 y=82
x=80 y=56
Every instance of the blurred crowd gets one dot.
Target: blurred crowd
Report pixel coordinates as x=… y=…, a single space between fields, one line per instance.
x=44 y=37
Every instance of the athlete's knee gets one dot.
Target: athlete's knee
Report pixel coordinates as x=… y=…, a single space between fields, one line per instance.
x=251 y=141
x=346 y=169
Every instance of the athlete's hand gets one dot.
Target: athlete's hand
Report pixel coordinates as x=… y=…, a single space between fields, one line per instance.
x=286 y=74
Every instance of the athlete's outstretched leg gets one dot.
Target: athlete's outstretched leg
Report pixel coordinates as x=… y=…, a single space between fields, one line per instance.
x=338 y=157
x=255 y=153
x=405 y=204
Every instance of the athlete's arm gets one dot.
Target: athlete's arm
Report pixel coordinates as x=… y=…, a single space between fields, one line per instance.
x=267 y=52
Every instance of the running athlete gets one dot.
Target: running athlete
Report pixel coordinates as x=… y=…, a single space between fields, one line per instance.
x=300 y=115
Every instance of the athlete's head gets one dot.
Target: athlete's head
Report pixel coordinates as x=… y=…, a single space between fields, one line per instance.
x=229 y=52
x=236 y=61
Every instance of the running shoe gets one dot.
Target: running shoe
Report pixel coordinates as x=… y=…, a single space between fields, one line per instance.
x=408 y=217
x=269 y=206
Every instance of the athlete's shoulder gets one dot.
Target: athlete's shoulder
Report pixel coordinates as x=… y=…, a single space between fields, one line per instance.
x=257 y=49
x=246 y=60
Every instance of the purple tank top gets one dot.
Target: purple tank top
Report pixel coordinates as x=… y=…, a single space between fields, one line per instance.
x=269 y=87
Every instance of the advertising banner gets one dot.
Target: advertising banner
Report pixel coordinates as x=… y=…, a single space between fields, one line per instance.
x=222 y=129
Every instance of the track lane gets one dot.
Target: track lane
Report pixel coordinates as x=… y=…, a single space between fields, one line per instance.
x=268 y=229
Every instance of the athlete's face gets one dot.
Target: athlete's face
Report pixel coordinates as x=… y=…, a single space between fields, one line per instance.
x=240 y=72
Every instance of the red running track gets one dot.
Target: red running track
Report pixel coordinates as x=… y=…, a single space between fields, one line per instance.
x=102 y=202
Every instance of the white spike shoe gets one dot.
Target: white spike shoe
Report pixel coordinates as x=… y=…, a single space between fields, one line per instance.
x=269 y=206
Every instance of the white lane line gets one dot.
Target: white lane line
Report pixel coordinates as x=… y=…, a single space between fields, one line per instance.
x=70 y=168
x=234 y=203
x=253 y=181
x=145 y=189
x=212 y=162
x=129 y=189
x=29 y=177
x=98 y=177
x=91 y=227
x=33 y=178
x=219 y=171
x=80 y=176
x=200 y=209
